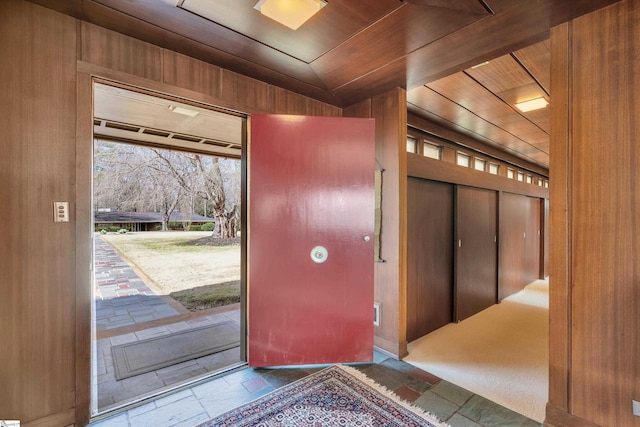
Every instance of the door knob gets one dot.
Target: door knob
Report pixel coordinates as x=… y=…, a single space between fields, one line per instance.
x=319 y=254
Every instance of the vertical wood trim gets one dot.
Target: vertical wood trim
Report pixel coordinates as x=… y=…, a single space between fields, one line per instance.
x=559 y=227
x=84 y=246
x=604 y=207
x=390 y=112
x=390 y=289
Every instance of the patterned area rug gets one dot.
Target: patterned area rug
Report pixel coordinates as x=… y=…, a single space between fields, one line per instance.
x=335 y=396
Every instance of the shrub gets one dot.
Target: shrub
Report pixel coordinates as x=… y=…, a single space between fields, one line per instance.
x=123 y=231
x=103 y=231
x=175 y=225
x=209 y=226
x=195 y=228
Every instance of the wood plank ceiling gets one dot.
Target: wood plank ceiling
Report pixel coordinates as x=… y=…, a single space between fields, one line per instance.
x=352 y=50
x=480 y=102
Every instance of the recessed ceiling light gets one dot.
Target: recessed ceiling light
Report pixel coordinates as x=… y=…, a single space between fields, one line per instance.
x=183 y=111
x=292 y=13
x=482 y=64
x=532 y=104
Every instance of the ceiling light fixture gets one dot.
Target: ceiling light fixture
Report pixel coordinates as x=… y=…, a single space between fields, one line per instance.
x=292 y=13
x=183 y=111
x=532 y=104
x=482 y=64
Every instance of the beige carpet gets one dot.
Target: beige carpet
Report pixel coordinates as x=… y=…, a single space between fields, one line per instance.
x=501 y=353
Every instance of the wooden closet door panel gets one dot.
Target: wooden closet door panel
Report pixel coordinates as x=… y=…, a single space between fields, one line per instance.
x=430 y=256
x=511 y=265
x=476 y=279
x=532 y=240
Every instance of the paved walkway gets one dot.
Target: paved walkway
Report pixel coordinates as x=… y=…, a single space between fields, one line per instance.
x=122 y=297
x=127 y=310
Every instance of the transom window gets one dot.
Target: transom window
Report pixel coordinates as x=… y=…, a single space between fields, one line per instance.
x=431 y=150
x=412 y=144
x=463 y=160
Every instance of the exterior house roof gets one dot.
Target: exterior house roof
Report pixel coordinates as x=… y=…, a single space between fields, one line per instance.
x=145 y=217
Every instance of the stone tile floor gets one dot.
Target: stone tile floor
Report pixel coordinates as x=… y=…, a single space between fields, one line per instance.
x=113 y=392
x=128 y=310
x=193 y=405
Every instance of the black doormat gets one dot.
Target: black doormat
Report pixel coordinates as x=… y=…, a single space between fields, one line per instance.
x=154 y=353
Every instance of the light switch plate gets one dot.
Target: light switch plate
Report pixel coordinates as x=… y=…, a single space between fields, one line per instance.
x=636 y=408
x=61 y=211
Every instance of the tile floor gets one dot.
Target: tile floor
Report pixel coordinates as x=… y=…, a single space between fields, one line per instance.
x=113 y=392
x=190 y=406
x=128 y=310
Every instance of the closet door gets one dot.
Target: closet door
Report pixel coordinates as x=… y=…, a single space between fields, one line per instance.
x=532 y=240
x=476 y=254
x=430 y=256
x=513 y=229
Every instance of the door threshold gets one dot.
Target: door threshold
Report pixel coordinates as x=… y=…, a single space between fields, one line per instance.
x=167 y=391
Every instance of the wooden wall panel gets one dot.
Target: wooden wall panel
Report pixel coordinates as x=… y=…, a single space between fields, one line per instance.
x=389 y=111
x=243 y=91
x=594 y=354
x=476 y=254
x=439 y=170
x=479 y=146
x=605 y=374
x=286 y=102
x=121 y=53
x=37 y=319
x=429 y=256
x=182 y=71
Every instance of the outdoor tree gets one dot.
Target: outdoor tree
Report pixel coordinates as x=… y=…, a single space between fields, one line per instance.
x=212 y=179
x=141 y=179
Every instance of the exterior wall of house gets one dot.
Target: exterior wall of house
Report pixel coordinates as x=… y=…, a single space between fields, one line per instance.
x=595 y=281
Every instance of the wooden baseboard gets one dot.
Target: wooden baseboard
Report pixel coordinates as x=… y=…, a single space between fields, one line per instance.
x=560 y=418
x=62 y=419
x=395 y=350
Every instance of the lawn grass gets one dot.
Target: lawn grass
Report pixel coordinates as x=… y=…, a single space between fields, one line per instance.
x=208 y=296
x=199 y=276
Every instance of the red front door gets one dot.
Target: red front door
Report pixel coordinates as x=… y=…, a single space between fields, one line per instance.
x=310 y=240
